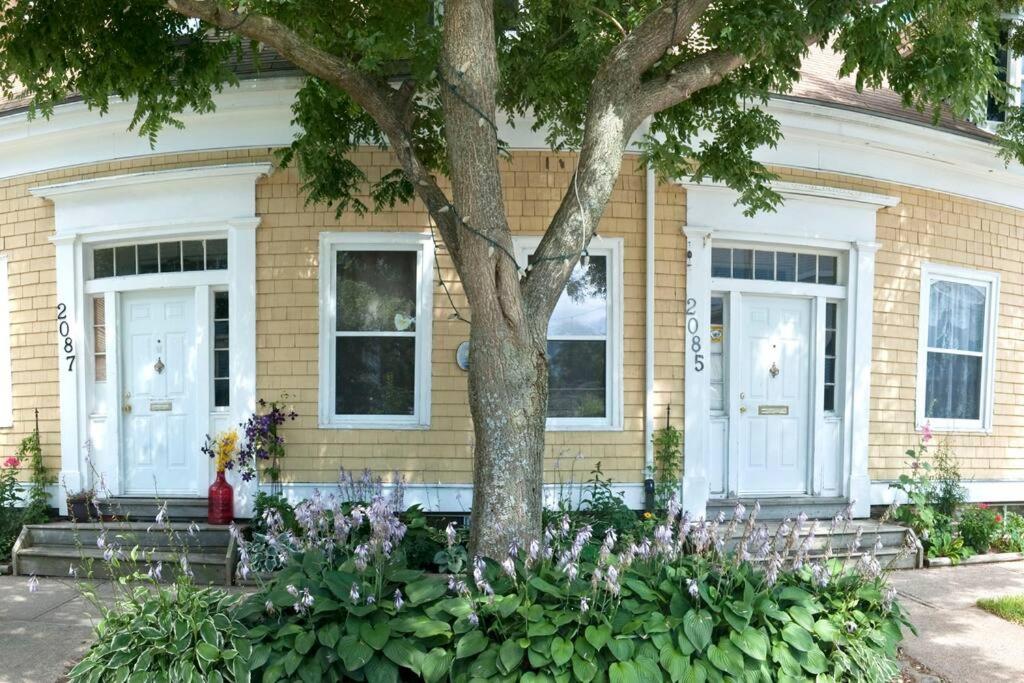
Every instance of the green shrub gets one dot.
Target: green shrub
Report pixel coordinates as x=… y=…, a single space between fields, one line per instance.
x=944 y=543
x=167 y=635
x=978 y=526
x=1010 y=535
x=667 y=458
x=572 y=606
x=948 y=494
x=10 y=510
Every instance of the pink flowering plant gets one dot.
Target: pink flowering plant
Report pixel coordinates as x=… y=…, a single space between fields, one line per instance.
x=10 y=510
x=691 y=600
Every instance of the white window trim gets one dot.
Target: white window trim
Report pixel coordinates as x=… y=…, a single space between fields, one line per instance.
x=6 y=383
x=931 y=272
x=611 y=248
x=330 y=243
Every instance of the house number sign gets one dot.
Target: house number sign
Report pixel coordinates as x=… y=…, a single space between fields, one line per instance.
x=693 y=329
x=64 y=331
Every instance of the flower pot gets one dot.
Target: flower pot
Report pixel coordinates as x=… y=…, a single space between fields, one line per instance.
x=221 y=501
x=78 y=509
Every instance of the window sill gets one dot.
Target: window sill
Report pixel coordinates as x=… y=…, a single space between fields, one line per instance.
x=940 y=428
x=582 y=427
x=364 y=424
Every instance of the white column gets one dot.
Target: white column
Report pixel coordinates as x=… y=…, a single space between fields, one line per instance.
x=242 y=343
x=109 y=460
x=74 y=470
x=203 y=320
x=862 y=285
x=697 y=384
x=819 y=449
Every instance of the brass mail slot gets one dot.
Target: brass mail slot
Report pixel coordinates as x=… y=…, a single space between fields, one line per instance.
x=773 y=410
x=159 y=406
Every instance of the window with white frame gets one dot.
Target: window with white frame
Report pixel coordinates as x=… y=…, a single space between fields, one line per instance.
x=585 y=340
x=956 y=348
x=375 y=320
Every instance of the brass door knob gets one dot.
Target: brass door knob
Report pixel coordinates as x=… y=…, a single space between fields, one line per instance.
x=126 y=407
x=743 y=409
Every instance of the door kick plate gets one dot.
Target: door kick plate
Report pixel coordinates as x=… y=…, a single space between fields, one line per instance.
x=159 y=406
x=773 y=410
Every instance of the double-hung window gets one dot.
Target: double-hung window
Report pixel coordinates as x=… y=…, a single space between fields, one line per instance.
x=375 y=319
x=585 y=340
x=956 y=348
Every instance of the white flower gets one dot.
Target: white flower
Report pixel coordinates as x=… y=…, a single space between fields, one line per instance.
x=33 y=584
x=353 y=594
x=398 y=600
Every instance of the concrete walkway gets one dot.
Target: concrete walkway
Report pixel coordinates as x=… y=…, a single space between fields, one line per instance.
x=956 y=639
x=42 y=633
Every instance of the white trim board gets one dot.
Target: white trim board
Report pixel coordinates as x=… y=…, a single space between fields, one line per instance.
x=978 y=491
x=459 y=497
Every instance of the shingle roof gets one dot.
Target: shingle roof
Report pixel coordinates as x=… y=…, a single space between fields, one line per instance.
x=818 y=84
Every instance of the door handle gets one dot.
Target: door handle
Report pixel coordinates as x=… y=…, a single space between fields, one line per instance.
x=743 y=409
x=126 y=407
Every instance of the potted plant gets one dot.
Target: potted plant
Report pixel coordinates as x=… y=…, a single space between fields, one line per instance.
x=221 y=496
x=80 y=505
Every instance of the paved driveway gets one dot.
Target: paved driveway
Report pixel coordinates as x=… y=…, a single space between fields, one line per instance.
x=957 y=640
x=42 y=633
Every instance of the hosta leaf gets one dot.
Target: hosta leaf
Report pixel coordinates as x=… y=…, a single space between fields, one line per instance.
x=621 y=648
x=623 y=672
x=752 y=642
x=423 y=590
x=207 y=652
x=355 y=654
x=598 y=635
x=435 y=665
x=814 y=661
x=826 y=630
x=380 y=670
x=470 y=644
x=510 y=655
x=583 y=670
x=375 y=635
x=561 y=650
x=304 y=642
x=676 y=665
x=798 y=637
x=402 y=653
x=546 y=587
x=725 y=660
x=801 y=616
x=486 y=665
x=697 y=626
x=785 y=658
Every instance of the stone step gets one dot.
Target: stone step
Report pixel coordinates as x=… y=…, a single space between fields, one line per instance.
x=780 y=507
x=207 y=567
x=146 y=509
x=128 y=534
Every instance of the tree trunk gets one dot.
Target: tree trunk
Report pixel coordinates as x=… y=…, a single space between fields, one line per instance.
x=508 y=392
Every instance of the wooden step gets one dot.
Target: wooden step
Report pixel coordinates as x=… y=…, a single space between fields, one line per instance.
x=207 y=567
x=780 y=507
x=146 y=509
x=128 y=534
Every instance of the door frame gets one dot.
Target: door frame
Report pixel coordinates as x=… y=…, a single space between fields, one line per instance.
x=810 y=217
x=215 y=201
x=201 y=311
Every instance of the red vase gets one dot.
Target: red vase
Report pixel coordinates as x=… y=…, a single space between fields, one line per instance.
x=221 y=502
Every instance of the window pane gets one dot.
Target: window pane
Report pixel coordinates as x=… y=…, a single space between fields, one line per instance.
x=806 y=267
x=956 y=316
x=717 y=310
x=220 y=305
x=764 y=265
x=100 y=366
x=170 y=257
x=583 y=307
x=149 y=258
x=576 y=381
x=827 y=270
x=742 y=263
x=830 y=398
x=953 y=388
x=216 y=254
x=785 y=267
x=124 y=258
x=220 y=334
x=103 y=263
x=221 y=393
x=830 y=370
x=830 y=343
x=721 y=262
x=192 y=257
x=221 y=367
x=375 y=375
x=377 y=291
x=830 y=315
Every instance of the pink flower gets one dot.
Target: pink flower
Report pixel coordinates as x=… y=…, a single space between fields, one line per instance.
x=12 y=462
x=926 y=433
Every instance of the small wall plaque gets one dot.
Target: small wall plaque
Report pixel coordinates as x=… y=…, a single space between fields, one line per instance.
x=773 y=410
x=159 y=406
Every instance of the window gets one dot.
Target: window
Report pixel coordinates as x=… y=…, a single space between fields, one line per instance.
x=221 y=353
x=717 y=354
x=163 y=257
x=584 y=341
x=956 y=348
x=376 y=291
x=99 y=338
x=831 y=356
x=779 y=266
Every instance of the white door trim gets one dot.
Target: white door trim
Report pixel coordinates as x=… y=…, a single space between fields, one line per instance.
x=211 y=201
x=827 y=218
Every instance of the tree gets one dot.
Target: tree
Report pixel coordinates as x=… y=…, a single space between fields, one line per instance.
x=428 y=80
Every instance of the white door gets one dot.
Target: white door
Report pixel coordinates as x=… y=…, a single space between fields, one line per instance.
x=775 y=395
x=159 y=361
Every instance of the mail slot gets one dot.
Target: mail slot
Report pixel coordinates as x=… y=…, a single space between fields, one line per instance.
x=159 y=406
x=773 y=410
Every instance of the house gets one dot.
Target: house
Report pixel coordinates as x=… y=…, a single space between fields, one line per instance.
x=151 y=295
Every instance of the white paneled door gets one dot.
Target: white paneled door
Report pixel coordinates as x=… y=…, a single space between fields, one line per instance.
x=160 y=352
x=775 y=395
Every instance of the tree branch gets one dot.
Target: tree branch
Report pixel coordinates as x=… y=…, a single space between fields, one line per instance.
x=389 y=108
x=682 y=82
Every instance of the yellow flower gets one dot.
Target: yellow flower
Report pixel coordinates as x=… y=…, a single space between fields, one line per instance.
x=648 y=515
x=227 y=443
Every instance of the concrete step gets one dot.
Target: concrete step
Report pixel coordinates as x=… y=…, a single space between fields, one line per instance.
x=207 y=567
x=128 y=534
x=780 y=507
x=146 y=509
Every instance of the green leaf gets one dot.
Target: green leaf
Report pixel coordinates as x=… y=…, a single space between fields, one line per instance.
x=561 y=650
x=380 y=670
x=801 y=616
x=435 y=665
x=826 y=630
x=583 y=670
x=404 y=654
x=354 y=653
x=598 y=635
x=304 y=642
x=725 y=659
x=470 y=644
x=207 y=652
x=375 y=635
x=539 y=629
x=429 y=588
x=546 y=587
x=623 y=672
x=697 y=626
x=752 y=642
x=798 y=637
x=676 y=665
x=510 y=655
x=421 y=626
x=814 y=661
x=621 y=648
